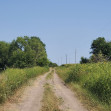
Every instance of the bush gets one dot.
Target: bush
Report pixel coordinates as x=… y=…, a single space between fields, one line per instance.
x=74 y=75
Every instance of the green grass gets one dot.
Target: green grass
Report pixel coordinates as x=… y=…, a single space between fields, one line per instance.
x=95 y=79
x=12 y=79
x=50 y=101
x=50 y=75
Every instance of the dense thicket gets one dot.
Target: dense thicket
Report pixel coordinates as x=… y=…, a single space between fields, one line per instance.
x=23 y=52
x=101 y=51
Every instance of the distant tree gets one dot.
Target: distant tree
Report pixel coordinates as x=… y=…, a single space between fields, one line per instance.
x=4 y=51
x=101 y=51
x=107 y=51
x=101 y=45
x=84 y=60
x=98 y=58
x=98 y=45
x=51 y=64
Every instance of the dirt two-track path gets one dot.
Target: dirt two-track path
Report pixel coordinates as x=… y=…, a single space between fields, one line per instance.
x=70 y=101
x=31 y=97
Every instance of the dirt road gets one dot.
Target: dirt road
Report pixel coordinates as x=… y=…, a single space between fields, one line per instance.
x=70 y=101
x=32 y=96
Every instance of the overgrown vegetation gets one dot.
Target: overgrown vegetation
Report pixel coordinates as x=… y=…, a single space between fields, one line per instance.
x=95 y=78
x=12 y=79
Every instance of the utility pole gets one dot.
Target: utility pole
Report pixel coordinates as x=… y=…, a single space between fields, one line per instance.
x=66 y=58
x=75 y=56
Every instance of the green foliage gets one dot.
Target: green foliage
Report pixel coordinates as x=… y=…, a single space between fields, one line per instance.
x=101 y=45
x=101 y=51
x=43 y=61
x=4 y=50
x=84 y=60
x=64 y=72
x=98 y=45
x=12 y=79
x=52 y=64
x=74 y=75
x=98 y=58
x=95 y=77
x=40 y=52
x=23 y=52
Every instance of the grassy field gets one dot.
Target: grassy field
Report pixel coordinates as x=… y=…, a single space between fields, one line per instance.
x=12 y=79
x=92 y=82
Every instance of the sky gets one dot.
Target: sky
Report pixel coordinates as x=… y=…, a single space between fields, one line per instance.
x=63 y=25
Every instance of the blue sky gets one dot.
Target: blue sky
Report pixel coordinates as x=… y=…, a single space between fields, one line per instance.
x=63 y=25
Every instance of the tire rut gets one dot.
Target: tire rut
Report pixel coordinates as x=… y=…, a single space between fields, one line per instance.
x=70 y=101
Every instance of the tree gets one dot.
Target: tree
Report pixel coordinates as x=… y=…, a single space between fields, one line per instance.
x=17 y=53
x=27 y=52
x=101 y=45
x=40 y=52
x=84 y=60
x=107 y=50
x=98 y=45
x=98 y=58
x=51 y=64
x=4 y=51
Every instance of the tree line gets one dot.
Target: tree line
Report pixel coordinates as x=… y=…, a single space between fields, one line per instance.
x=100 y=50
x=23 y=52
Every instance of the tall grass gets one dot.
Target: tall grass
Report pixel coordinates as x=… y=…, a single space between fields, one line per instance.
x=96 y=78
x=12 y=79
